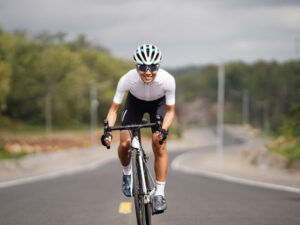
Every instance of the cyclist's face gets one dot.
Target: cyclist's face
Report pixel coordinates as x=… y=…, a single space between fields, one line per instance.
x=148 y=76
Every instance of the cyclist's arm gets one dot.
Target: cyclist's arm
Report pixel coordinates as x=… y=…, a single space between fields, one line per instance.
x=120 y=92
x=112 y=114
x=170 y=103
x=169 y=117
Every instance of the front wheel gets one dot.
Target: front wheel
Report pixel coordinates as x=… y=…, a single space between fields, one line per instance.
x=148 y=206
x=137 y=191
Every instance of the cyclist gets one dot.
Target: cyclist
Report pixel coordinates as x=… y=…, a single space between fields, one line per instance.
x=151 y=90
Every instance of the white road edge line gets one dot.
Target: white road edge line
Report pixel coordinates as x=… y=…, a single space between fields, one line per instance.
x=176 y=166
x=55 y=174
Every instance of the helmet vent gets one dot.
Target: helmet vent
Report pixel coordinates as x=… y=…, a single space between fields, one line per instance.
x=156 y=57
x=139 y=58
x=143 y=55
x=152 y=54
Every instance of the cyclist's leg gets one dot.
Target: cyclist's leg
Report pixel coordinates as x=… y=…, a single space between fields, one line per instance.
x=161 y=160
x=132 y=114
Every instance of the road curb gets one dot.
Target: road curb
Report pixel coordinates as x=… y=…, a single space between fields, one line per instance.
x=176 y=165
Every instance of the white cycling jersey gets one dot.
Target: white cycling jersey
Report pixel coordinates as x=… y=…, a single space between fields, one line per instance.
x=162 y=85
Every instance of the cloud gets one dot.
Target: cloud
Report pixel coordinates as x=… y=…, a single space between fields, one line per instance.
x=188 y=32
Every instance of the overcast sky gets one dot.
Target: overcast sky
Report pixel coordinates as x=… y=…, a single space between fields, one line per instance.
x=187 y=31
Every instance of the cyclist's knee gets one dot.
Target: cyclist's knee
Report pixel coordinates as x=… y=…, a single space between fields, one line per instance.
x=156 y=146
x=155 y=141
x=124 y=140
x=159 y=150
x=125 y=144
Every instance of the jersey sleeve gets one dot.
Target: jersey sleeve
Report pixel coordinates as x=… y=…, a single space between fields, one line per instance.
x=170 y=91
x=121 y=89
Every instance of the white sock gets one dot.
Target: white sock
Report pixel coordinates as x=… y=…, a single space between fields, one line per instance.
x=160 y=188
x=127 y=169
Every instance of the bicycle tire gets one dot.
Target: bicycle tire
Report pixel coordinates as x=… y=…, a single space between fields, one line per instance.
x=148 y=206
x=138 y=197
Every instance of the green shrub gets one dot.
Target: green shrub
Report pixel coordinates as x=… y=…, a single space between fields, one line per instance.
x=287 y=147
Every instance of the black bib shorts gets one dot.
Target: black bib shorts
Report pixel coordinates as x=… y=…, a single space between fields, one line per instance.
x=135 y=109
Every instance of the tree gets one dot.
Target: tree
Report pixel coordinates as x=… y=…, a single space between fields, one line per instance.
x=5 y=74
x=53 y=66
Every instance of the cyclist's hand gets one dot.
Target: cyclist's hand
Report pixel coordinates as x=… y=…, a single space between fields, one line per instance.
x=106 y=139
x=162 y=135
x=158 y=135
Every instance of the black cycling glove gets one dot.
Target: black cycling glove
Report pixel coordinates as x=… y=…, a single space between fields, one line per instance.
x=103 y=137
x=164 y=134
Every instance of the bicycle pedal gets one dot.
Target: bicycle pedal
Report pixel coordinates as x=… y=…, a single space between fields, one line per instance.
x=157 y=212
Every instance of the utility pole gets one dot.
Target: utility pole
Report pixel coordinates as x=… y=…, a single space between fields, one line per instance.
x=245 y=108
x=220 y=128
x=94 y=118
x=266 y=123
x=296 y=47
x=48 y=110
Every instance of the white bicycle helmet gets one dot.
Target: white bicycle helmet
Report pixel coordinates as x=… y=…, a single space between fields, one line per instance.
x=147 y=54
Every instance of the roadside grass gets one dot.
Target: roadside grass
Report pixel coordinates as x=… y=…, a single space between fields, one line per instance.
x=8 y=155
x=19 y=141
x=175 y=132
x=289 y=148
x=39 y=131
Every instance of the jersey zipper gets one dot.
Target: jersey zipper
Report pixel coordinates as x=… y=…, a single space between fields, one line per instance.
x=147 y=92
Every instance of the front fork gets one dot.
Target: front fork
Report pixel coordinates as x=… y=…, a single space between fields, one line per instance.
x=137 y=147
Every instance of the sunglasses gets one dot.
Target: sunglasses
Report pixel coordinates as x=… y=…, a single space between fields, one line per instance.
x=144 y=68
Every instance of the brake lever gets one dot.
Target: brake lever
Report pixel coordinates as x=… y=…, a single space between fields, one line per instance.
x=162 y=141
x=106 y=129
x=158 y=125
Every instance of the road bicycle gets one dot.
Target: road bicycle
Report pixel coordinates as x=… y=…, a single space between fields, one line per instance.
x=143 y=182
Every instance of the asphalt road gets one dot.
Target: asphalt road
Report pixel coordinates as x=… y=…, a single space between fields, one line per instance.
x=93 y=198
